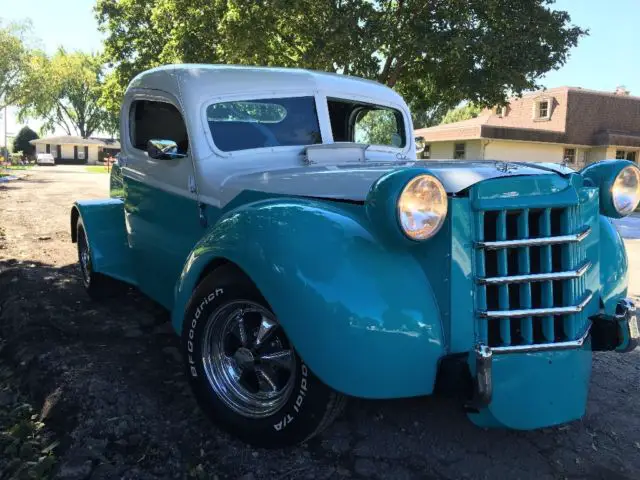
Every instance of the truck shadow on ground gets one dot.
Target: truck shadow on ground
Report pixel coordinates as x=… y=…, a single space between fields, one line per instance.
x=111 y=379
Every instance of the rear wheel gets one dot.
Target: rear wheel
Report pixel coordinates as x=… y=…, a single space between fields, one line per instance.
x=98 y=286
x=244 y=371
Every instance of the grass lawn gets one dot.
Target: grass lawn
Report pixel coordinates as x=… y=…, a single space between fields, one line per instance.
x=17 y=167
x=96 y=169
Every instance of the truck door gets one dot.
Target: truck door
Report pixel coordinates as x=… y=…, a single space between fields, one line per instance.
x=161 y=208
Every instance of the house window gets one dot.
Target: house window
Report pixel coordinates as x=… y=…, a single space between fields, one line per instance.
x=426 y=152
x=569 y=155
x=502 y=111
x=542 y=109
x=626 y=155
x=459 y=151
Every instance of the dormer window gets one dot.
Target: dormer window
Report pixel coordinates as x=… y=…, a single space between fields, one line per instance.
x=501 y=111
x=542 y=109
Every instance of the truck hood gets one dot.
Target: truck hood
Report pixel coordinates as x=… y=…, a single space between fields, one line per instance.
x=352 y=182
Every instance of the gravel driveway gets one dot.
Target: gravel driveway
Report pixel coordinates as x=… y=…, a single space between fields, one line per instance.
x=109 y=379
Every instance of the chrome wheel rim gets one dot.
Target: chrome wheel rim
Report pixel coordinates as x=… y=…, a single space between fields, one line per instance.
x=85 y=258
x=247 y=359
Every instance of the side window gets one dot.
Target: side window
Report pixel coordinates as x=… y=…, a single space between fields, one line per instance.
x=353 y=121
x=156 y=121
x=271 y=122
x=378 y=127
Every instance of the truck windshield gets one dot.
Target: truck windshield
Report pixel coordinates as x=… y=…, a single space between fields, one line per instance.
x=272 y=122
x=353 y=121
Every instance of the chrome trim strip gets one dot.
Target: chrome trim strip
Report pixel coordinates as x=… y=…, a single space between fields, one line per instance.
x=537 y=312
x=534 y=242
x=536 y=277
x=541 y=347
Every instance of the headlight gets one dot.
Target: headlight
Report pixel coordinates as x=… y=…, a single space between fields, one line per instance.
x=625 y=191
x=422 y=207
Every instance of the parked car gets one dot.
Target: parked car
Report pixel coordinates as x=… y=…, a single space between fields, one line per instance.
x=45 y=159
x=306 y=256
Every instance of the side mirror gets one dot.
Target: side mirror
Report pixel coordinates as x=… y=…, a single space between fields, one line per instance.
x=163 y=150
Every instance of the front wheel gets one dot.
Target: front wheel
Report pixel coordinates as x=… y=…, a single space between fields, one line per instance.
x=98 y=286
x=244 y=371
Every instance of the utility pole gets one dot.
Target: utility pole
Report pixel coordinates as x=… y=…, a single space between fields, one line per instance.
x=6 y=149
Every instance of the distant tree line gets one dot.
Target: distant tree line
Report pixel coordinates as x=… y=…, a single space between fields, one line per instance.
x=436 y=53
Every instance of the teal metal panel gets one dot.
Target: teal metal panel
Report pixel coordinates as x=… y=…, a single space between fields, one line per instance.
x=331 y=282
x=535 y=390
x=526 y=192
x=613 y=274
x=116 y=183
x=162 y=229
x=105 y=228
x=458 y=300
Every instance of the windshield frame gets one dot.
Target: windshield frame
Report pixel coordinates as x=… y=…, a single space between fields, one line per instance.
x=322 y=110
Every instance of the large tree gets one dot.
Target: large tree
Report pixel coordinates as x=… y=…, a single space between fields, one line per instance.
x=434 y=52
x=21 y=142
x=64 y=90
x=464 y=112
x=14 y=54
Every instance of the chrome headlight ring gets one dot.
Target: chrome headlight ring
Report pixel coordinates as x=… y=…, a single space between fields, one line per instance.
x=422 y=207
x=625 y=190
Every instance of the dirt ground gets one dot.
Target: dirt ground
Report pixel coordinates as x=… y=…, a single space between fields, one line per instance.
x=109 y=381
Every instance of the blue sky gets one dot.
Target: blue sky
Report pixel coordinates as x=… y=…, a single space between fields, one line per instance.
x=606 y=58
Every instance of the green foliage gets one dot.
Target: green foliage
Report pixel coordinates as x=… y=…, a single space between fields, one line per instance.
x=435 y=53
x=65 y=91
x=14 y=53
x=26 y=447
x=464 y=112
x=376 y=127
x=21 y=142
x=15 y=158
x=96 y=169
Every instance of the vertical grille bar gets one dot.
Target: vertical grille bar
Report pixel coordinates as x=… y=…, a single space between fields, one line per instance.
x=524 y=266
x=503 y=290
x=481 y=268
x=569 y=254
x=546 y=266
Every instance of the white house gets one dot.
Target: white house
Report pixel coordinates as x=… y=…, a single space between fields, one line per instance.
x=73 y=149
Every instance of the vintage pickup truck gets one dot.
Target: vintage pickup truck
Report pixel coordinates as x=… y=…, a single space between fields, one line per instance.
x=306 y=256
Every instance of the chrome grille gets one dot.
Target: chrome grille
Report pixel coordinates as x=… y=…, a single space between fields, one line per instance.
x=530 y=267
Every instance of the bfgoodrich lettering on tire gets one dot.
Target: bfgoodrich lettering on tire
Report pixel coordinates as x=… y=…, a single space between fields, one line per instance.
x=243 y=370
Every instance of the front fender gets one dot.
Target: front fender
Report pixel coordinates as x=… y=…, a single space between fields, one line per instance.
x=362 y=316
x=104 y=225
x=613 y=266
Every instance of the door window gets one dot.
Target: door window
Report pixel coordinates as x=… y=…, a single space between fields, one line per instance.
x=353 y=121
x=158 y=121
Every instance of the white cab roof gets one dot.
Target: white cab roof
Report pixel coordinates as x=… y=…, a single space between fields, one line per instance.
x=195 y=81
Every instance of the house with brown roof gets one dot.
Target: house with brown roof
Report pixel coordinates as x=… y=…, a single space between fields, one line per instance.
x=73 y=149
x=569 y=124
